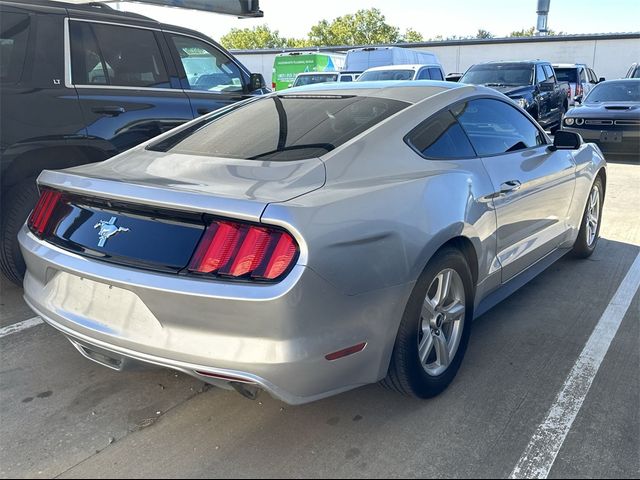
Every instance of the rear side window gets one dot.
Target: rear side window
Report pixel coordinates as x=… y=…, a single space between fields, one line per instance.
x=14 y=34
x=436 y=74
x=549 y=71
x=495 y=127
x=206 y=67
x=113 y=55
x=441 y=137
x=424 y=74
x=284 y=127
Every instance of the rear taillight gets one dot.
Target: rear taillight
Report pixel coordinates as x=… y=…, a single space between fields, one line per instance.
x=273 y=86
x=238 y=250
x=578 y=90
x=39 y=218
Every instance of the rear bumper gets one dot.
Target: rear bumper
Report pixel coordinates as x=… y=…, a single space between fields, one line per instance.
x=275 y=336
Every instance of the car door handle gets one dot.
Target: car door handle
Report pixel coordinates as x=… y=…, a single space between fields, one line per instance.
x=510 y=186
x=113 y=111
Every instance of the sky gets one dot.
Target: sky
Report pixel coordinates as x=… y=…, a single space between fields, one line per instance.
x=293 y=18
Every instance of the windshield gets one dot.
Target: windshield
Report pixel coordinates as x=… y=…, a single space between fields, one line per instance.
x=377 y=75
x=567 y=75
x=499 y=75
x=311 y=79
x=282 y=127
x=622 y=91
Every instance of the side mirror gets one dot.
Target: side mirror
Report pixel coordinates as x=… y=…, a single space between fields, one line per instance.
x=547 y=86
x=602 y=79
x=566 y=141
x=256 y=82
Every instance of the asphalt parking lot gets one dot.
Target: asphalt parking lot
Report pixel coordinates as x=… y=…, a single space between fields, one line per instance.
x=63 y=416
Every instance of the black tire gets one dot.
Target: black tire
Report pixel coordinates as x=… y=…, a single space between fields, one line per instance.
x=406 y=374
x=17 y=204
x=582 y=248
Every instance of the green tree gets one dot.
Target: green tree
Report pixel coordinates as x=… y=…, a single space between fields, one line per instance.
x=365 y=27
x=484 y=34
x=253 y=38
x=411 y=35
x=525 y=32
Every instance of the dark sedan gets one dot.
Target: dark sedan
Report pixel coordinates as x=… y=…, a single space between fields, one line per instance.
x=610 y=117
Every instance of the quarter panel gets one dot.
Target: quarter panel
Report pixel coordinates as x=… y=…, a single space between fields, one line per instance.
x=385 y=210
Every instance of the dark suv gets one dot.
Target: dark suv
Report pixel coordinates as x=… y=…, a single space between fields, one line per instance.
x=79 y=84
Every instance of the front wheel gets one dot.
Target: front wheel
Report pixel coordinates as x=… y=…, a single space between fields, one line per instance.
x=591 y=219
x=434 y=331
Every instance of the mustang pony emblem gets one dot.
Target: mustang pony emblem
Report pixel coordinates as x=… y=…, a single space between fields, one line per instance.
x=108 y=230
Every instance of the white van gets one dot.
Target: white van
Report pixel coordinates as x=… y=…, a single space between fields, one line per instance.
x=403 y=72
x=361 y=59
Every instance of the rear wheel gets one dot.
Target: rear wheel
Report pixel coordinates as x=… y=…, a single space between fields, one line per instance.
x=435 y=328
x=17 y=203
x=590 y=228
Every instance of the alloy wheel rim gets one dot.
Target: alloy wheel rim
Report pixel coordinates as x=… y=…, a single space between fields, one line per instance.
x=441 y=322
x=593 y=215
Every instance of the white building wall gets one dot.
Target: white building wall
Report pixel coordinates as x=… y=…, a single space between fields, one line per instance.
x=610 y=58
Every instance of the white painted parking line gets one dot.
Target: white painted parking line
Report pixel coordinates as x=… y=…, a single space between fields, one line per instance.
x=18 y=327
x=541 y=453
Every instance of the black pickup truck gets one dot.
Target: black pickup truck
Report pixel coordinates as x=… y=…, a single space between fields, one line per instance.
x=532 y=85
x=81 y=83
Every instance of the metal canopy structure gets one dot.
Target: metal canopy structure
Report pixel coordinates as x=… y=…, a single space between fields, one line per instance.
x=237 y=8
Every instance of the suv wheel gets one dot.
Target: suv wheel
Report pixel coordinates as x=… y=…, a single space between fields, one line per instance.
x=17 y=204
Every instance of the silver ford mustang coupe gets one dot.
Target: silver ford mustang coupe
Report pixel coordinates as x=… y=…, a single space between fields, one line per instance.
x=312 y=240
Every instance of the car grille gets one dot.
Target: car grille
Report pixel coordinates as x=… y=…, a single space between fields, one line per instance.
x=598 y=122
x=627 y=122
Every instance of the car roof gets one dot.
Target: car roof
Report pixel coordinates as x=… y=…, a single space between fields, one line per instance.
x=513 y=62
x=415 y=66
x=411 y=91
x=569 y=65
x=317 y=73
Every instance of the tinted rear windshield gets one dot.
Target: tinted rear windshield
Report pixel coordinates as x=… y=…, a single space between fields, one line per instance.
x=567 y=75
x=311 y=79
x=283 y=127
x=499 y=75
x=378 y=75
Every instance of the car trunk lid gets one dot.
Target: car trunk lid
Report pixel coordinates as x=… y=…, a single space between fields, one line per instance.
x=153 y=213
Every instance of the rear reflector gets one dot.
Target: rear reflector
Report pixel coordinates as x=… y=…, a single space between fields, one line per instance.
x=346 y=352
x=238 y=250
x=39 y=218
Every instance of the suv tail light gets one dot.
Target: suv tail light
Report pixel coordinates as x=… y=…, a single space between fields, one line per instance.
x=238 y=250
x=273 y=86
x=41 y=214
x=578 y=90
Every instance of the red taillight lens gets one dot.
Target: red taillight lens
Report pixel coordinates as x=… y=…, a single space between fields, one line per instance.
x=273 y=86
x=237 y=250
x=39 y=218
x=578 y=90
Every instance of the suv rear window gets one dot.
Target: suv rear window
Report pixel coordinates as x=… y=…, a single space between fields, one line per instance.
x=567 y=74
x=114 y=55
x=283 y=127
x=14 y=33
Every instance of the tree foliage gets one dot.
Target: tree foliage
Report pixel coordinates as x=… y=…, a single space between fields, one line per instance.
x=253 y=38
x=482 y=33
x=365 y=27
